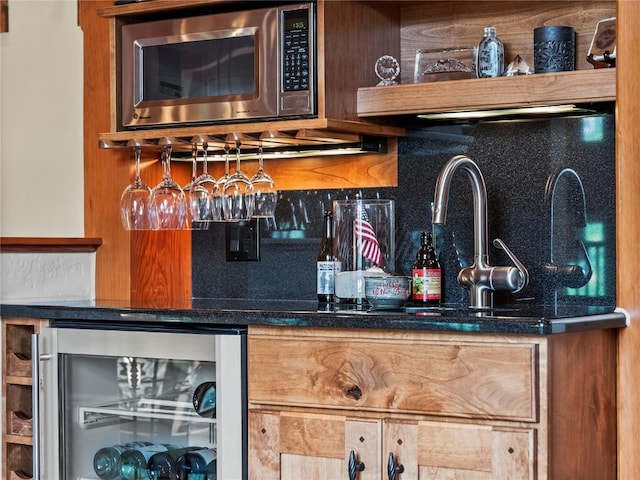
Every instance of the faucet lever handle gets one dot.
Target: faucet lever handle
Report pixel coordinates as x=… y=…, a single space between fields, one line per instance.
x=498 y=243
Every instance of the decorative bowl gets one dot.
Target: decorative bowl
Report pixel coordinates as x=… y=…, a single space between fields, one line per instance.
x=391 y=291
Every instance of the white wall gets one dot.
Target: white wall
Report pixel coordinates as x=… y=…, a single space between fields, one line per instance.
x=41 y=163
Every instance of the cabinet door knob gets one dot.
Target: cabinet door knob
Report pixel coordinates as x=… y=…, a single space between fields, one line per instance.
x=354 y=466
x=393 y=468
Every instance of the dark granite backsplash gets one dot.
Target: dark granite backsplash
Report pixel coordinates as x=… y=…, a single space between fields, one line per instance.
x=522 y=161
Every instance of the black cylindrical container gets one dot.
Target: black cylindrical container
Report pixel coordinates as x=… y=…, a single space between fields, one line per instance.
x=554 y=49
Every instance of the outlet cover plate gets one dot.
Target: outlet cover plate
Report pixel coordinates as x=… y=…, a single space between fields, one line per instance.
x=242 y=240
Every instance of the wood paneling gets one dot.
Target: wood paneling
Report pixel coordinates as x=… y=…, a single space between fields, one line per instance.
x=106 y=172
x=628 y=233
x=582 y=367
x=347 y=52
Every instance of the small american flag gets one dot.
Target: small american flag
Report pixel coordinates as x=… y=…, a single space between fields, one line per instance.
x=366 y=239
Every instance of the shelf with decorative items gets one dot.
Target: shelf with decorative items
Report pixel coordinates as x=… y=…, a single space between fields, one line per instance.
x=453 y=30
x=579 y=88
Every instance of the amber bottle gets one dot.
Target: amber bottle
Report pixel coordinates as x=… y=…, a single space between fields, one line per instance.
x=426 y=274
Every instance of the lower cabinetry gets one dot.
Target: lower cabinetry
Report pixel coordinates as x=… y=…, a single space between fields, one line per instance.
x=371 y=405
x=17 y=424
x=294 y=445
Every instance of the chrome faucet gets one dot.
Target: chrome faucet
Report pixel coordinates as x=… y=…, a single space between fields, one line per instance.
x=481 y=279
x=573 y=275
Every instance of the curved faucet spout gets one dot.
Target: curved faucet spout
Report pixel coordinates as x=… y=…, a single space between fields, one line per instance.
x=481 y=279
x=571 y=275
x=479 y=191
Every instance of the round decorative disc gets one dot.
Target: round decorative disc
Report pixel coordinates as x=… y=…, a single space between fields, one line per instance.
x=387 y=69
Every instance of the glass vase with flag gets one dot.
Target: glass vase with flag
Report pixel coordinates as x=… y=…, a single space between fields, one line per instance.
x=364 y=243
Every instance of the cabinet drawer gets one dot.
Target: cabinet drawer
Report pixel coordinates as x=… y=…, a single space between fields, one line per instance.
x=421 y=374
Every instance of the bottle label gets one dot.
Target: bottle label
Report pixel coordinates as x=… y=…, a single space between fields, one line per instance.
x=426 y=284
x=326 y=277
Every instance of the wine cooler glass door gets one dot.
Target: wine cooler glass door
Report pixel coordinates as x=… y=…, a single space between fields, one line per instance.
x=140 y=405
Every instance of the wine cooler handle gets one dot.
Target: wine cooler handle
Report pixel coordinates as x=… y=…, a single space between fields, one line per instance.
x=354 y=466
x=393 y=468
x=35 y=405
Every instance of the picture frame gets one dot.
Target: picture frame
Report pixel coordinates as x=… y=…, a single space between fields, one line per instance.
x=603 y=45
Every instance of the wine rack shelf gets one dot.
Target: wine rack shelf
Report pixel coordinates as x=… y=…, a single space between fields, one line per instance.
x=151 y=408
x=17 y=441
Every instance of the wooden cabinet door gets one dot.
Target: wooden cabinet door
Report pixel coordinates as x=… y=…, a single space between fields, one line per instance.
x=446 y=451
x=294 y=446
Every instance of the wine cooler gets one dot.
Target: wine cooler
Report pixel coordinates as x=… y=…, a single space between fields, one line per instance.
x=120 y=404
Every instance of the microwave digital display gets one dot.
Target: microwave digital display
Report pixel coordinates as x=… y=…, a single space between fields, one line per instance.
x=206 y=68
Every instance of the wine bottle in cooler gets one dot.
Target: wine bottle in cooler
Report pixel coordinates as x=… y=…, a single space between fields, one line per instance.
x=326 y=266
x=133 y=463
x=162 y=465
x=204 y=399
x=197 y=465
x=105 y=460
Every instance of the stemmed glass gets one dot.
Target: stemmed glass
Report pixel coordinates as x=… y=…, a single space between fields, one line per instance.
x=199 y=199
x=223 y=179
x=264 y=189
x=134 y=201
x=168 y=202
x=238 y=200
x=207 y=181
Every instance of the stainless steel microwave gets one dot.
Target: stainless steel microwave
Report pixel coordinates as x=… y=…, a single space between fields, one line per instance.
x=231 y=66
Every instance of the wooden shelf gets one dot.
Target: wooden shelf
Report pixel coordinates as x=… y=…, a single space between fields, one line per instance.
x=576 y=87
x=49 y=244
x=141 y=7
x=296 y=133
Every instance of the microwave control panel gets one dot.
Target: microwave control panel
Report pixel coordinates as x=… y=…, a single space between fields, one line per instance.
x=296 y=53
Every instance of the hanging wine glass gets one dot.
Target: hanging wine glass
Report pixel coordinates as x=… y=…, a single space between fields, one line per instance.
x=198 y=198
x=264 y=189
x=207 y=181
x=134 y=201
x=168 y=202
x=238 y=199
x=223 y=179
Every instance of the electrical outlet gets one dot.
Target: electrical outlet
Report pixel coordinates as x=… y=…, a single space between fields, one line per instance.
x=242 y=241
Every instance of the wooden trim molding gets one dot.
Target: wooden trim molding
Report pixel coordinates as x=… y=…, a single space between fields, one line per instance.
x=628 y=232
x=4 y=16
x=49 y=245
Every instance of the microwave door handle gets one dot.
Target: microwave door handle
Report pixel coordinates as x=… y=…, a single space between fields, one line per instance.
x=36 y=357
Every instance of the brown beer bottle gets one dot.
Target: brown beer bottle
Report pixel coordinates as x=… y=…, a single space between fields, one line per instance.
x=426 y=274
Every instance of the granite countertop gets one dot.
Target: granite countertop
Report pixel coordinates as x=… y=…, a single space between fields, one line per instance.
x=229 y=313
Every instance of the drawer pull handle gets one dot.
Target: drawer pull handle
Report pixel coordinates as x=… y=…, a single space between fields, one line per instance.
x=354 y=466
x=394 y=468
x=355 y=392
